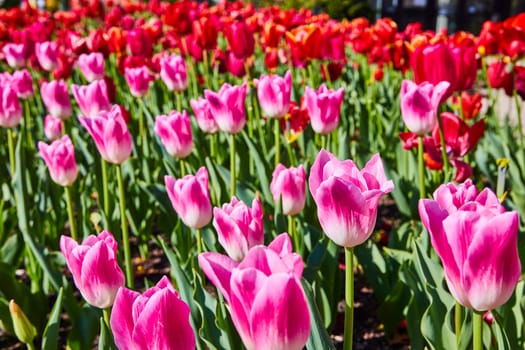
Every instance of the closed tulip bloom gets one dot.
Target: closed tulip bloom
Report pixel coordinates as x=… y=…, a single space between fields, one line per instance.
x=289 y=185
x=92 y=66
x=324 y=108
x=52 y=128
x=94 y=267
x=92 y=98
x=60 y=160
x=173 y=72
x=419 y=104
x=174 y=131
x=10 y=109
x=110 y=133
x=227 y=107
x=477 y=242
x=239 y=227
x=264 y=293
x=22 y=83
x=347 y=198
x=158 y=319
x=240 y=38
x=56 y=98
x=138 y=80
x=47 y=55
x=15 y=55
x=203 y=115
x=190 y=197
x=274 y=93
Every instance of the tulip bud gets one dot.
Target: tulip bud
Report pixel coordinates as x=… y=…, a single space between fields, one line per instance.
x=24 y=329
x=324 y=108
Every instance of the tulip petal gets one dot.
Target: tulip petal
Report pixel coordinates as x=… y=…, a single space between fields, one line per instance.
x=121 y=320
x=218 y=269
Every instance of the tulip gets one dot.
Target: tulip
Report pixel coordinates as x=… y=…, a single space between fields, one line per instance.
x=240 y=38
x=60 y=159
x=500 y=76
x=266 y=300
x=236 y=66
x=227 y=107
x=47 y=55
x=190 y=197
x=466 y=66
x=52 y=128
x=174 y=131
x=94 y=267
x=138 y=80
x=22 y=83
x=205 y=32
x=56 y=98
x=274 y=93
x=470 y=105
x=15 y=55
x=347 y=198
x=110 y=133
x=173 y=72
x=92 y=98
x=158 y=319
x=203 y=115
x=25 y=331
x=10 y=109
x=239 y=227
x=419 y=104
x=477 y=242
x=324 y=108
x=92 y=66
x=288 y=185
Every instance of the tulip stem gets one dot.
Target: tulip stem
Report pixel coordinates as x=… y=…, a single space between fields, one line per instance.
x=421 y=166
x=277 y=135
x=291 y=232
x=105 y=189
x=457 y=322
x=125 y=234
x=478 y=330
x=178 y=97
x=27 y=121
x=72 y=224
x=518 y=112
x=30 y=346
x=349 y=298
x=106 y=314
x=232 y=165
x=443 y=146
x=198 y=235
x=182 y=168
x=11 y=146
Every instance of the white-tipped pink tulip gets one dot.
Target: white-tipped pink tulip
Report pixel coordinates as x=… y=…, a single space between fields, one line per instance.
x=91 y=65
x=47 y=55
x=60 y=160
x=324 y=108
x=203 y=115
x=174 y=131
x=15 y=55
x=52 y=128
x=289 y=185
x=274 y=93
x=92 y=98
x=10 y=108
x=227 y=107
x=173 y=72
x=56 y=99
x=138 y=80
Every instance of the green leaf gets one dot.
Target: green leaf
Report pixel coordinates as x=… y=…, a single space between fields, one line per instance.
x=261 y=168
x=50 y=337
x=319 y=338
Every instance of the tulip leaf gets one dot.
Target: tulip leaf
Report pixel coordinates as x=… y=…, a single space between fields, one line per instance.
x=436 y=331
x=261 y=169
x=50 y=337
x=319 y=338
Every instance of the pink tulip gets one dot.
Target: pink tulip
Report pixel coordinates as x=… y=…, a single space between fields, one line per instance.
x=324 y=108
x=158 y=319
x=477 y=241
x=288 y=184
x=92 y=98
x=227 y=107
x=56 y=98
x=174 y=131
x=239 y=227
x=22 y=83
x=92 y=66
x=419 y=104
x=47 y=55
x=190 y=197
x=173 y=72
x=111 y=134
x=10 y=109
x=274 y=93
x=203 y=115
x=347 y=198
x=60 y=159
x=15 y=55
x=52 y=128
x=264 y=293
x=94 y=267
x=138 y=80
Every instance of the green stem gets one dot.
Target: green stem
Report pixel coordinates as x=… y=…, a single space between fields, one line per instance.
x=457 y=322
x=232 y=166
x=478 y=330
x=71 y=215
x=105 y=188
x=140 y=114
x=11 y=146
x=277 y=136
x=106 y=312
x=213 y=141
x=124 y=226
x=27 y=121
x=198 y=235
x=206 y=69
x=349 y=299
x=292 y=232
x=182 y=163
x=421 y=166
x=178 y=96
x=443 y=146
x=518 y=112
x=30 y=346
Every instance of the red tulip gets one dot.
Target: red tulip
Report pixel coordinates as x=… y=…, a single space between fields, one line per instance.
x=240 y=38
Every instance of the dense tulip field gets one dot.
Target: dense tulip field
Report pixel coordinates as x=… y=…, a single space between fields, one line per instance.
x=270 y=156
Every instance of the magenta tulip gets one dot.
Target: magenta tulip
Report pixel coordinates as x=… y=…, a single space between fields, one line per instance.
x=22 y=83
x=347 y=198
x=92 y=98
x=15 y=55
x=227 y=107
x=239 y=227
x=203 y=115
x=419 y=104
x=10 y=109
x=324 y=108
x=52 y=128
x=47 y=55
x=190 y=197
x=158 y=319
x=94 y=267
x=477 y=241
x=60 y=160
x=92 y=66
x=274 y=93
x=264 y=293
x=173 y=72
x=288 y=184
x=110 y=133
x=56 y=98
x=138 y=80
x=174 y=131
